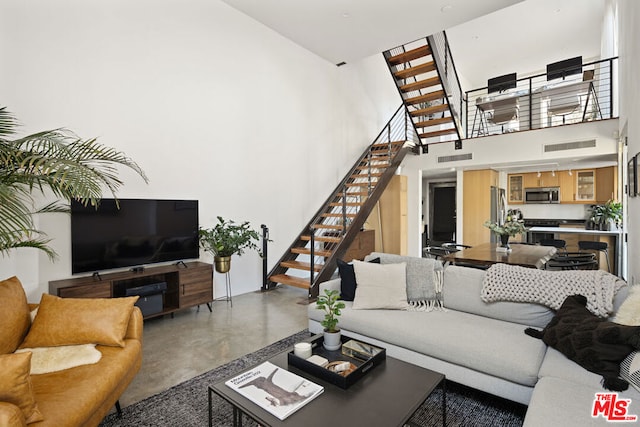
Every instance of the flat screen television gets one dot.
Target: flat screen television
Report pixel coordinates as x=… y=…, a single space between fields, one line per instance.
x=564 y=68
x=502 y=83
x=140 y=231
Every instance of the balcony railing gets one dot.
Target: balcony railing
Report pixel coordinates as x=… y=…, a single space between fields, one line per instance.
x=538 y=102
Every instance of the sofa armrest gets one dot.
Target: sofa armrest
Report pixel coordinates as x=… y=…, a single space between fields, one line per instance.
x=333 y=284
x=134 y=329
x=11 y=415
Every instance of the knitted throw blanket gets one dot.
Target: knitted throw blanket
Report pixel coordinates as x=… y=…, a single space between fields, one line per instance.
x=505 y=282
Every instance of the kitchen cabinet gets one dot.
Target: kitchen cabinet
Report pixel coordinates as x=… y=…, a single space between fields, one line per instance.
x=515 y=192
x=567 y=187
x=476 y=205
x=530 y=180
x=546 y=179
x=585 y=186
x=606 y=184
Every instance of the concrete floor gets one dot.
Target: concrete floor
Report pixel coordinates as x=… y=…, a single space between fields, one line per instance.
x=194 y=342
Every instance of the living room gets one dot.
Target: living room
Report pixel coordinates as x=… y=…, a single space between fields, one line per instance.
x=214 y=106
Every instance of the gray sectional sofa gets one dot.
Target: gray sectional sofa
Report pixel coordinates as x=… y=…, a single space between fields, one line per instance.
x=483 y=345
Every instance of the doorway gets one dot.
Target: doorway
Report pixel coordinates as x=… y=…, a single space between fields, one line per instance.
x=442 y=212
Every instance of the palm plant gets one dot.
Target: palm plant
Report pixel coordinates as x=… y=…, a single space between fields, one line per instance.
x=50 y=162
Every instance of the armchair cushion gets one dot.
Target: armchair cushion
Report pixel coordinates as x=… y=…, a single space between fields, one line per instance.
x=15 y=385
x=15 y=315
x=71 y=321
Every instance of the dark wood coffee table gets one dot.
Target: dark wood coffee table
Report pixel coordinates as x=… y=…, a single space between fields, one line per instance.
x=388 y=395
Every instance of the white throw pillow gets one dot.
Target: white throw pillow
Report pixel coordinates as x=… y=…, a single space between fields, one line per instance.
x=380 y=286
x=629 y=311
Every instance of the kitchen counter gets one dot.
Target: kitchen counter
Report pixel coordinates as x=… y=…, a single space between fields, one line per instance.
x=574 y=231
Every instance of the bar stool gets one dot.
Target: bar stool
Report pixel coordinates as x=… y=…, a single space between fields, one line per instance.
x=587 y=245
x=556 y=243
x=572 y=261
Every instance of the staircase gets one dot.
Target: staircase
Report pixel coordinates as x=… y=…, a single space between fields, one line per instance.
x=312 y=257
x=425 y=76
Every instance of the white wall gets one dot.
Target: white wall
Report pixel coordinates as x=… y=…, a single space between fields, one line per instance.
x=629 y=51
x=213 y=105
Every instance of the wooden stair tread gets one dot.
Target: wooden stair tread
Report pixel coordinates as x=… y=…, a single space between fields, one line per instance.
x=364 y=175
x=357 y=193
x=430 y=110
x=347 y=204
x=306 y=251
x=434 y=122
x=421 y=84
x=359 y=184
x=338 y=215
x=438 y=133
x=327 y=239
x=285 y=279
x=414 y=71
x=431 y=96
x=299 y=265
x=410 y=55
x=386 y=144
x=328 y=226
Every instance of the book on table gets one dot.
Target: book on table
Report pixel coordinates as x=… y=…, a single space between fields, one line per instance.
x=275 y=389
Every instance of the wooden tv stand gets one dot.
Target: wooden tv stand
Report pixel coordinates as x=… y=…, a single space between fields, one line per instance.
x=188 y=285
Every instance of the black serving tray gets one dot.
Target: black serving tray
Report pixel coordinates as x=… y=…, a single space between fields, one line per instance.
x=362 y=366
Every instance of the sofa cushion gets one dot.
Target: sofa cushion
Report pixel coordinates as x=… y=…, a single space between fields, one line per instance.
x=462 y=289
x=348 y=282
x=70 y=321
x=380 y=286
x=15 y=385
x=594 y=343
x=629 y=311
x=15 y=315
x=11 y=415
x=459 y=338
x=561 y=402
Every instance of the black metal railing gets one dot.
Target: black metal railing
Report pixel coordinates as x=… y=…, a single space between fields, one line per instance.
x=441 y=52
x=537 y=102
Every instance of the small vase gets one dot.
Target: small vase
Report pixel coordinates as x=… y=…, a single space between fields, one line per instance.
x=504 y=241
x=332 y=340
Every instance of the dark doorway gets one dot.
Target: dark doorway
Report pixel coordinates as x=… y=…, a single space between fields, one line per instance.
x=442 y=212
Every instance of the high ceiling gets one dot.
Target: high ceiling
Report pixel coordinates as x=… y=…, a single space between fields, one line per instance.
x=487 y=36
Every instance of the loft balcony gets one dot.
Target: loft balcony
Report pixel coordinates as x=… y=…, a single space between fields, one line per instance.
x=569 y=92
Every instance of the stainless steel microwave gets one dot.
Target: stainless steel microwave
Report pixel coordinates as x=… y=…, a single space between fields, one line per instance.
x=542 y=195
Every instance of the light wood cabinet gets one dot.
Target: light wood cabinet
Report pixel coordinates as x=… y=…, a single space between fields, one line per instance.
x=476 y=202
x=389 y=218
x=530 y=180
x=515 y=189
x=546 y=179
x=567 y=187
x=606 y=184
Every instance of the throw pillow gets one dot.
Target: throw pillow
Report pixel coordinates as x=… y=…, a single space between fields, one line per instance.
x=348 y=282
x=380 y=286
x=15 y=315
x=629 y=311
x=630 y=369
x=15 y=385
x=591 y=341
x=70 y=321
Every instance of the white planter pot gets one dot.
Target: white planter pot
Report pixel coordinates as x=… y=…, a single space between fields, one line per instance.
x=332 y=340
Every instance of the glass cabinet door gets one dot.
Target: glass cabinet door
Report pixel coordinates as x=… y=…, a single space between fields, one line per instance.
x=586 y=185
x=516 y=189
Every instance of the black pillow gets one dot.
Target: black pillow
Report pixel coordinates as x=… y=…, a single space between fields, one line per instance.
x=348 y=279
x=591 y=341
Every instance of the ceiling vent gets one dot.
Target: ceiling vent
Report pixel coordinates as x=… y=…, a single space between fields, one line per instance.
x=570 y=146
x=455 y=158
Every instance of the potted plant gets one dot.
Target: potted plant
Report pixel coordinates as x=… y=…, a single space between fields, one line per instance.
x=607 y=215
x=331 y=304
x=509 y=228
x=54 y=162
x=228 y=238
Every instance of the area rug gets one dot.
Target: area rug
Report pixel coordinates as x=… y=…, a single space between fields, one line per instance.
x=185 y=404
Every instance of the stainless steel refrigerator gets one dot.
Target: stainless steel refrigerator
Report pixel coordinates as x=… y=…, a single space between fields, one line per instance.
x=498 y=208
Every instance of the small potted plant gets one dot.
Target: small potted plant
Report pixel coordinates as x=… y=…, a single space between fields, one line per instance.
x=509 y=228
x=228 y=238
x=331 y=304
x=607 y=216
